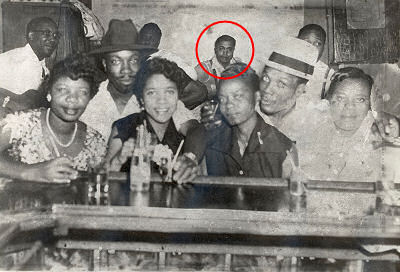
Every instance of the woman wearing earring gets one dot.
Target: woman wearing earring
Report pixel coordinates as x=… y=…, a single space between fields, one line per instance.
x=50 y=145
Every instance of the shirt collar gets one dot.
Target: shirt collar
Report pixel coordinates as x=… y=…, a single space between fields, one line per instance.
x=31 y=54
x=217 y=66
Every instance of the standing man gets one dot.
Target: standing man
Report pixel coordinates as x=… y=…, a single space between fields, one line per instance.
x=121 y=54
x=314 y=34
x=24 y=68
x=224 y=48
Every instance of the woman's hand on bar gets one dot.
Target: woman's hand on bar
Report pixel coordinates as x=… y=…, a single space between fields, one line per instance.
x=186 y=169
x=58 y=170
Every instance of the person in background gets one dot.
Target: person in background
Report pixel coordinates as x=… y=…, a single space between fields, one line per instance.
x=158 y=88
x=224 y=49
x=51 y=144
x=194 y=92
x=121 y=56
x=246 y=146
x=315 y=35
x=24 y=68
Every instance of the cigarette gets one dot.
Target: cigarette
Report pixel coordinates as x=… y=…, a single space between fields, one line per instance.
x=215 y=110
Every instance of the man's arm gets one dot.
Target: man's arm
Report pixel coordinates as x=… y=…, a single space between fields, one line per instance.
x=201 y=75
x=194 y=94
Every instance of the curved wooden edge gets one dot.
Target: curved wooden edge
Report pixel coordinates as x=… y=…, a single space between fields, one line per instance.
x=219 y=221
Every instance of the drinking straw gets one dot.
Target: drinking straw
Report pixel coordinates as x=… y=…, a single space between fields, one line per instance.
x=177 y=153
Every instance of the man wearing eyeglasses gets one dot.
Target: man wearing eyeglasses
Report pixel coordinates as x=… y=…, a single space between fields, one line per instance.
x=24 y=68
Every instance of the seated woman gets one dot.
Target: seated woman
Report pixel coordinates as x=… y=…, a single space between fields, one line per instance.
x=247 y=146
x=341 y=146
x=51 y=144
x=158 y=88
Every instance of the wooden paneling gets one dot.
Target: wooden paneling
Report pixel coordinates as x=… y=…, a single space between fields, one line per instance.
x=16 y=15
x=374 y=45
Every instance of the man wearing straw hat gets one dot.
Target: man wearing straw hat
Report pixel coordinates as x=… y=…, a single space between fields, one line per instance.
x=290 y=66
x=120 y=55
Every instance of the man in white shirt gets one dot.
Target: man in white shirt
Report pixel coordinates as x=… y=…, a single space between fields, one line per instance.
x=24 y=68
x=224 y=49
x=120 y=53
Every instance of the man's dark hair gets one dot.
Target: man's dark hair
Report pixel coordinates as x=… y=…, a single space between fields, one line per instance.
x=250 y=76
x=75 y=66
x=159 y=66
x=152 y=28
x=225 y=38
x=312 y=28
x=33 y=24
x=347 y=73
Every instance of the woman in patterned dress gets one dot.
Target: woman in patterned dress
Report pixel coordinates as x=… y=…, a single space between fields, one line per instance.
x=51 y=144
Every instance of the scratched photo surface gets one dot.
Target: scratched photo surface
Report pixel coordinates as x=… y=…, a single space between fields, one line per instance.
x=200 y=135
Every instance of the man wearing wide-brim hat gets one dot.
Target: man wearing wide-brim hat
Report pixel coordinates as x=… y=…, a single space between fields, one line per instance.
x=120 y=54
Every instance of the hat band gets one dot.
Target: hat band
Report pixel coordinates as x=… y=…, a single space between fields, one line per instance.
x=292 y=63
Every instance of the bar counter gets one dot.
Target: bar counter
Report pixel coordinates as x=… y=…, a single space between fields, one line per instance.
x=213 y=215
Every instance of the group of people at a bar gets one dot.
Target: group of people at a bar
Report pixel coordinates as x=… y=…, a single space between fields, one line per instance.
x=285 y=121
x=297 y=118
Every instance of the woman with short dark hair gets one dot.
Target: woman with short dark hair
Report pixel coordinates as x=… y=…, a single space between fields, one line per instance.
x=159 y=85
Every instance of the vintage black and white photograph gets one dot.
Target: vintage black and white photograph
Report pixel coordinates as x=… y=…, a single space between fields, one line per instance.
x=200 y=135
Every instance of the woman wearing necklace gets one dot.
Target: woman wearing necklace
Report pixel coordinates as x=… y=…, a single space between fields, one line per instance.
x=50 y=145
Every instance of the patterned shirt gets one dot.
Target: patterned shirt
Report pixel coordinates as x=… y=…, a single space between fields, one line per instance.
x=28 y=141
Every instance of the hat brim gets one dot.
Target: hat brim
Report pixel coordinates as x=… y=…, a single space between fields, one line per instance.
x=116 y=47
x=288 y=70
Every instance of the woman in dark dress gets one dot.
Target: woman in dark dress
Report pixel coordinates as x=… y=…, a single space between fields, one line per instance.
x=158 y=88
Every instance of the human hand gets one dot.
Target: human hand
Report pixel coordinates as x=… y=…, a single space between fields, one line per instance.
x=209 y=116
x=122 y=156
x=186 y=169
x=387 y=127
x=58 y=170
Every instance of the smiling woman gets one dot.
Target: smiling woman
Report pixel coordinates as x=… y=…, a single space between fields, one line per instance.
x=158 y=87
x=49 y=145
